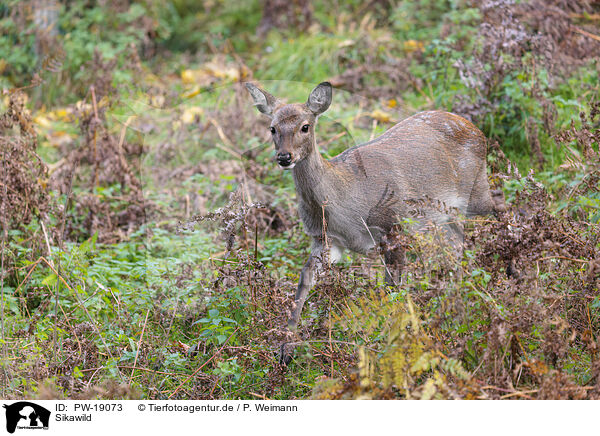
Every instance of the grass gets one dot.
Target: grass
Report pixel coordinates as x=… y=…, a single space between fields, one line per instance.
x=172 y=275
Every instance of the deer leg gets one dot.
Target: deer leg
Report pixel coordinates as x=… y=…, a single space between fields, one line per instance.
x=455 y=234
x=394 y=262
x=307 y=279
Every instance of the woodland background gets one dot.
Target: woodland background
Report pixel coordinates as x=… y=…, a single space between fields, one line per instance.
x=151 y=247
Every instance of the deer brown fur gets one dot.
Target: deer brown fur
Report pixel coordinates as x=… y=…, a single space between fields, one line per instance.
x=360 y=194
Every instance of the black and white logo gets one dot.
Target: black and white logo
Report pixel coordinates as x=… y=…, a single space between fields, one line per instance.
x=26 y=415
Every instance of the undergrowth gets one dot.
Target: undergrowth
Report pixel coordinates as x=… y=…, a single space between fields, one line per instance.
x=151 y=249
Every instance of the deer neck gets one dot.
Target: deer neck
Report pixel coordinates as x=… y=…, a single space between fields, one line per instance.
x=315 y=180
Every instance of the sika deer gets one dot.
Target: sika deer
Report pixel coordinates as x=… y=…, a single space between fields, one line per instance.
x=364 y=191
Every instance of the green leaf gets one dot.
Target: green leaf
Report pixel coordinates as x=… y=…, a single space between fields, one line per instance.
x=50 y=280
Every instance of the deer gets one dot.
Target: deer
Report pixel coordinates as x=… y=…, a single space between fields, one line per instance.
x=354 y=199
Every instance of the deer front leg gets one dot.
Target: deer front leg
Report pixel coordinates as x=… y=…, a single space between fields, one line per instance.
x=307 y=280
x=307 y=276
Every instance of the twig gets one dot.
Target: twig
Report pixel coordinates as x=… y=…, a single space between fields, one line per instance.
x=47 y=241
x=28 y=274
x=120 y=154
x=264 y=397
x=333 y=341
x=9 y=188
x=330 y=140
x=72 y=329
x=61 y=237
x=520 y=394
x=95 y=124
x=139 y=346
x=324 y=233
x=210 y=395
x=480 y=291
x=97 y=332
x=105 y=289
x=496 y=388
x=585 y=16
x=330 y=343
x=204 y=364
x=139 y=368
x=418 y=88
x=89 y=383
x=56 y=165
x=590 y=320
x=565 y=258
x=228 y=145
x=42 y=258
x=373 y=127
x=588 y=34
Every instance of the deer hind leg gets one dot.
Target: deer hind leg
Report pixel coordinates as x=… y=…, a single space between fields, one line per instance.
x=394 y=263
x=455 y=234
x=481 y=200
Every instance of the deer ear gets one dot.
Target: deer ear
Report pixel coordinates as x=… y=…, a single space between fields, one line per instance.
x=263 y=101
x=320 y=98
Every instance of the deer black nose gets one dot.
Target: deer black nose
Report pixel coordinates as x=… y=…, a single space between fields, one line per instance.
x=284 y=159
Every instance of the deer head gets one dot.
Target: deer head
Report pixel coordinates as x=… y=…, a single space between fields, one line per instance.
x=292 y=125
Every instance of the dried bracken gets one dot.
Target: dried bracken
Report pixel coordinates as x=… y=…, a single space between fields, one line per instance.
x=103 y=160
x=198 y=310
x=23 y=191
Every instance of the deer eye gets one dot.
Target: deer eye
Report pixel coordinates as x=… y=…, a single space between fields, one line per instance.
x=272 y=130
x=305 y=128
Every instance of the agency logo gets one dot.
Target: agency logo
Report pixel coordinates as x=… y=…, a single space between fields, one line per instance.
x=26 y=415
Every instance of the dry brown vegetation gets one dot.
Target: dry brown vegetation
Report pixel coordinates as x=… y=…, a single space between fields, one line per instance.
x=153 y=253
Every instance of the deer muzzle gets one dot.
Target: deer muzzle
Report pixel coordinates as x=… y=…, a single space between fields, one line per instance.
x=284 y=159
